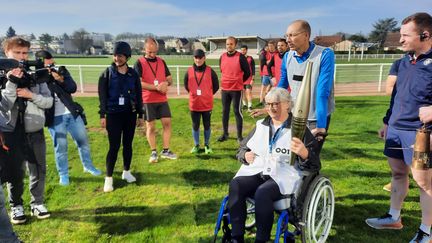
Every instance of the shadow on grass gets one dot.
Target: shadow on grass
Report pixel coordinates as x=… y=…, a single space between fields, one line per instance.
x=350 y=220
x=204 y=178
x=381 y=197
x=330 y=154
x=124 y=220
x=118 y=220
x=359 y=173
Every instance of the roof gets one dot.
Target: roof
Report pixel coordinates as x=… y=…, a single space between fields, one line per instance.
x=184 y=41
x=243 y=38
x=328 y=40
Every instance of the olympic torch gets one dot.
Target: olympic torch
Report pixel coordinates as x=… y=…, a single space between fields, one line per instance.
x=420 y=158
x=301 y=108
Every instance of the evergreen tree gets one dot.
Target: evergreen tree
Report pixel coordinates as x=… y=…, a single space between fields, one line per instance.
x=10 y=32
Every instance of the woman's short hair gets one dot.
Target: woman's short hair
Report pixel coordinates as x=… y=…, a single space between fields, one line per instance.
x=279 y=95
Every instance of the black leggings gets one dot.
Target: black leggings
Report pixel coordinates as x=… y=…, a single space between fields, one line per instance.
x=196 y=115
x=265 y=191
x=119 y=124
x=235 y=97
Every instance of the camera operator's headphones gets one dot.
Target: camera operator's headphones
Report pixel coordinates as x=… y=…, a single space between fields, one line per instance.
x=423 y=36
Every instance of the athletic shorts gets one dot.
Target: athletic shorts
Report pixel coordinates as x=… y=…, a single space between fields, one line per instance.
x=153 y=111
x=399 y=139
x=247 y=86
x=265 y=80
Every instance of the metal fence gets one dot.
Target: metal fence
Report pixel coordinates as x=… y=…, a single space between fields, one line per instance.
x=367 y=56
x=346 y=75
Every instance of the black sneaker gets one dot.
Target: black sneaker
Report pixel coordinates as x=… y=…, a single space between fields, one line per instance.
x=17 y=215
x=239 y=139
x=40 y=211
x=223 y=138
x=421 y=237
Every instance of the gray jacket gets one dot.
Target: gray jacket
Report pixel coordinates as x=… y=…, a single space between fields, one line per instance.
x=8 y=97
x=34 y=117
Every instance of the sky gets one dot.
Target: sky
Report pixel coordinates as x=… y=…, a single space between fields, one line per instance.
x=201 y=18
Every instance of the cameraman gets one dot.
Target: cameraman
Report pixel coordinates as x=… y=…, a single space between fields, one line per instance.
x=24 y=135
x=7 y=99
x=65 y=116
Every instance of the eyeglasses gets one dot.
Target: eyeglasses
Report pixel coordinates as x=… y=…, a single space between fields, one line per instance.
x=291 y=35
x=274 y=104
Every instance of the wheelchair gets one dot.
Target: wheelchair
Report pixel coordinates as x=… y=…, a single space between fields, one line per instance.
x=310 y=210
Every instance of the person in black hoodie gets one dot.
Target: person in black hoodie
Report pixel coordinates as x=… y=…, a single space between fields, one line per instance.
x=65 y=116
x=120 y=102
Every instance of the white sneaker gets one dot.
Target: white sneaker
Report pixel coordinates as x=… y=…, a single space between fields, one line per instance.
x=17 y=215
x=40 y=211
x=108 y=186
x=421 y=237
x=153 y=157
x=128 y=176
x=385 y=222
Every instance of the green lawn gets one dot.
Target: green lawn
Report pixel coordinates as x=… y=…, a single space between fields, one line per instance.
x=177 y=201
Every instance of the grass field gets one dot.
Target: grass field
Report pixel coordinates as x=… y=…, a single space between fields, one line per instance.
x=177 y=201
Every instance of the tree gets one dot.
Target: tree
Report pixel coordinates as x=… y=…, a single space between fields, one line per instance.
x=10 y=32
x=358 y=38
x=381 y=28
x=81 y=40
x=65 y=36
x=45 y=39
x=32 y=37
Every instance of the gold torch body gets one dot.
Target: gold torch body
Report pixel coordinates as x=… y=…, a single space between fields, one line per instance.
x=301 y=108
x=421 y=151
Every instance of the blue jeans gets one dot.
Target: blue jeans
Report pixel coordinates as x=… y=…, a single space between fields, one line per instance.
x=6 y=232
x=68 y=124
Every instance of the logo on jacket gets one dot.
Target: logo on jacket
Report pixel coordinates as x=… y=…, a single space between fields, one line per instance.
x=427 y=61
x=282 y=151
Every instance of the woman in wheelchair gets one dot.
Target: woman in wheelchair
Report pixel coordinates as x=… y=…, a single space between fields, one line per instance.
x=266 y=174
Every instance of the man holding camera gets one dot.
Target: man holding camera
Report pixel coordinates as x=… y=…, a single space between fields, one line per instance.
x=7 y=99
x=65 y=116
x=24 y=136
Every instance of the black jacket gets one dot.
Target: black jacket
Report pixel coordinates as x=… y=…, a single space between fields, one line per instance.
x=64 y=92
x=104 y=88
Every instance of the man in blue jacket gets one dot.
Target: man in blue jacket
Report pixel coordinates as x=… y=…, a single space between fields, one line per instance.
x=410 y=109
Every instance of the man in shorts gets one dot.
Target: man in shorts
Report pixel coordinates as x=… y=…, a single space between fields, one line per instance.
x=155 y=79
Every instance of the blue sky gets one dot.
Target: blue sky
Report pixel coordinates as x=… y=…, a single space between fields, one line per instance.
x=203 y=18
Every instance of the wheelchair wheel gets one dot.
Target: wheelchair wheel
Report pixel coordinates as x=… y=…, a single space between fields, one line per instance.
x=318 y=210
x=250 y=216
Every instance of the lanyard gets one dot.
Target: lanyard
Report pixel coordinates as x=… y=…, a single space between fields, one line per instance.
x=196 y=79
x=276 y=136
x=151 y=68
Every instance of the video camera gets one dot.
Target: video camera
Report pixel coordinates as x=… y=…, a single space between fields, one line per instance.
x=30 y=77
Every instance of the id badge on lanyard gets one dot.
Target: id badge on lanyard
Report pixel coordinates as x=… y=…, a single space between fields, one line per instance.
x=156 y=82
x=198 y=92
x=121 y=100
x=270 y=162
